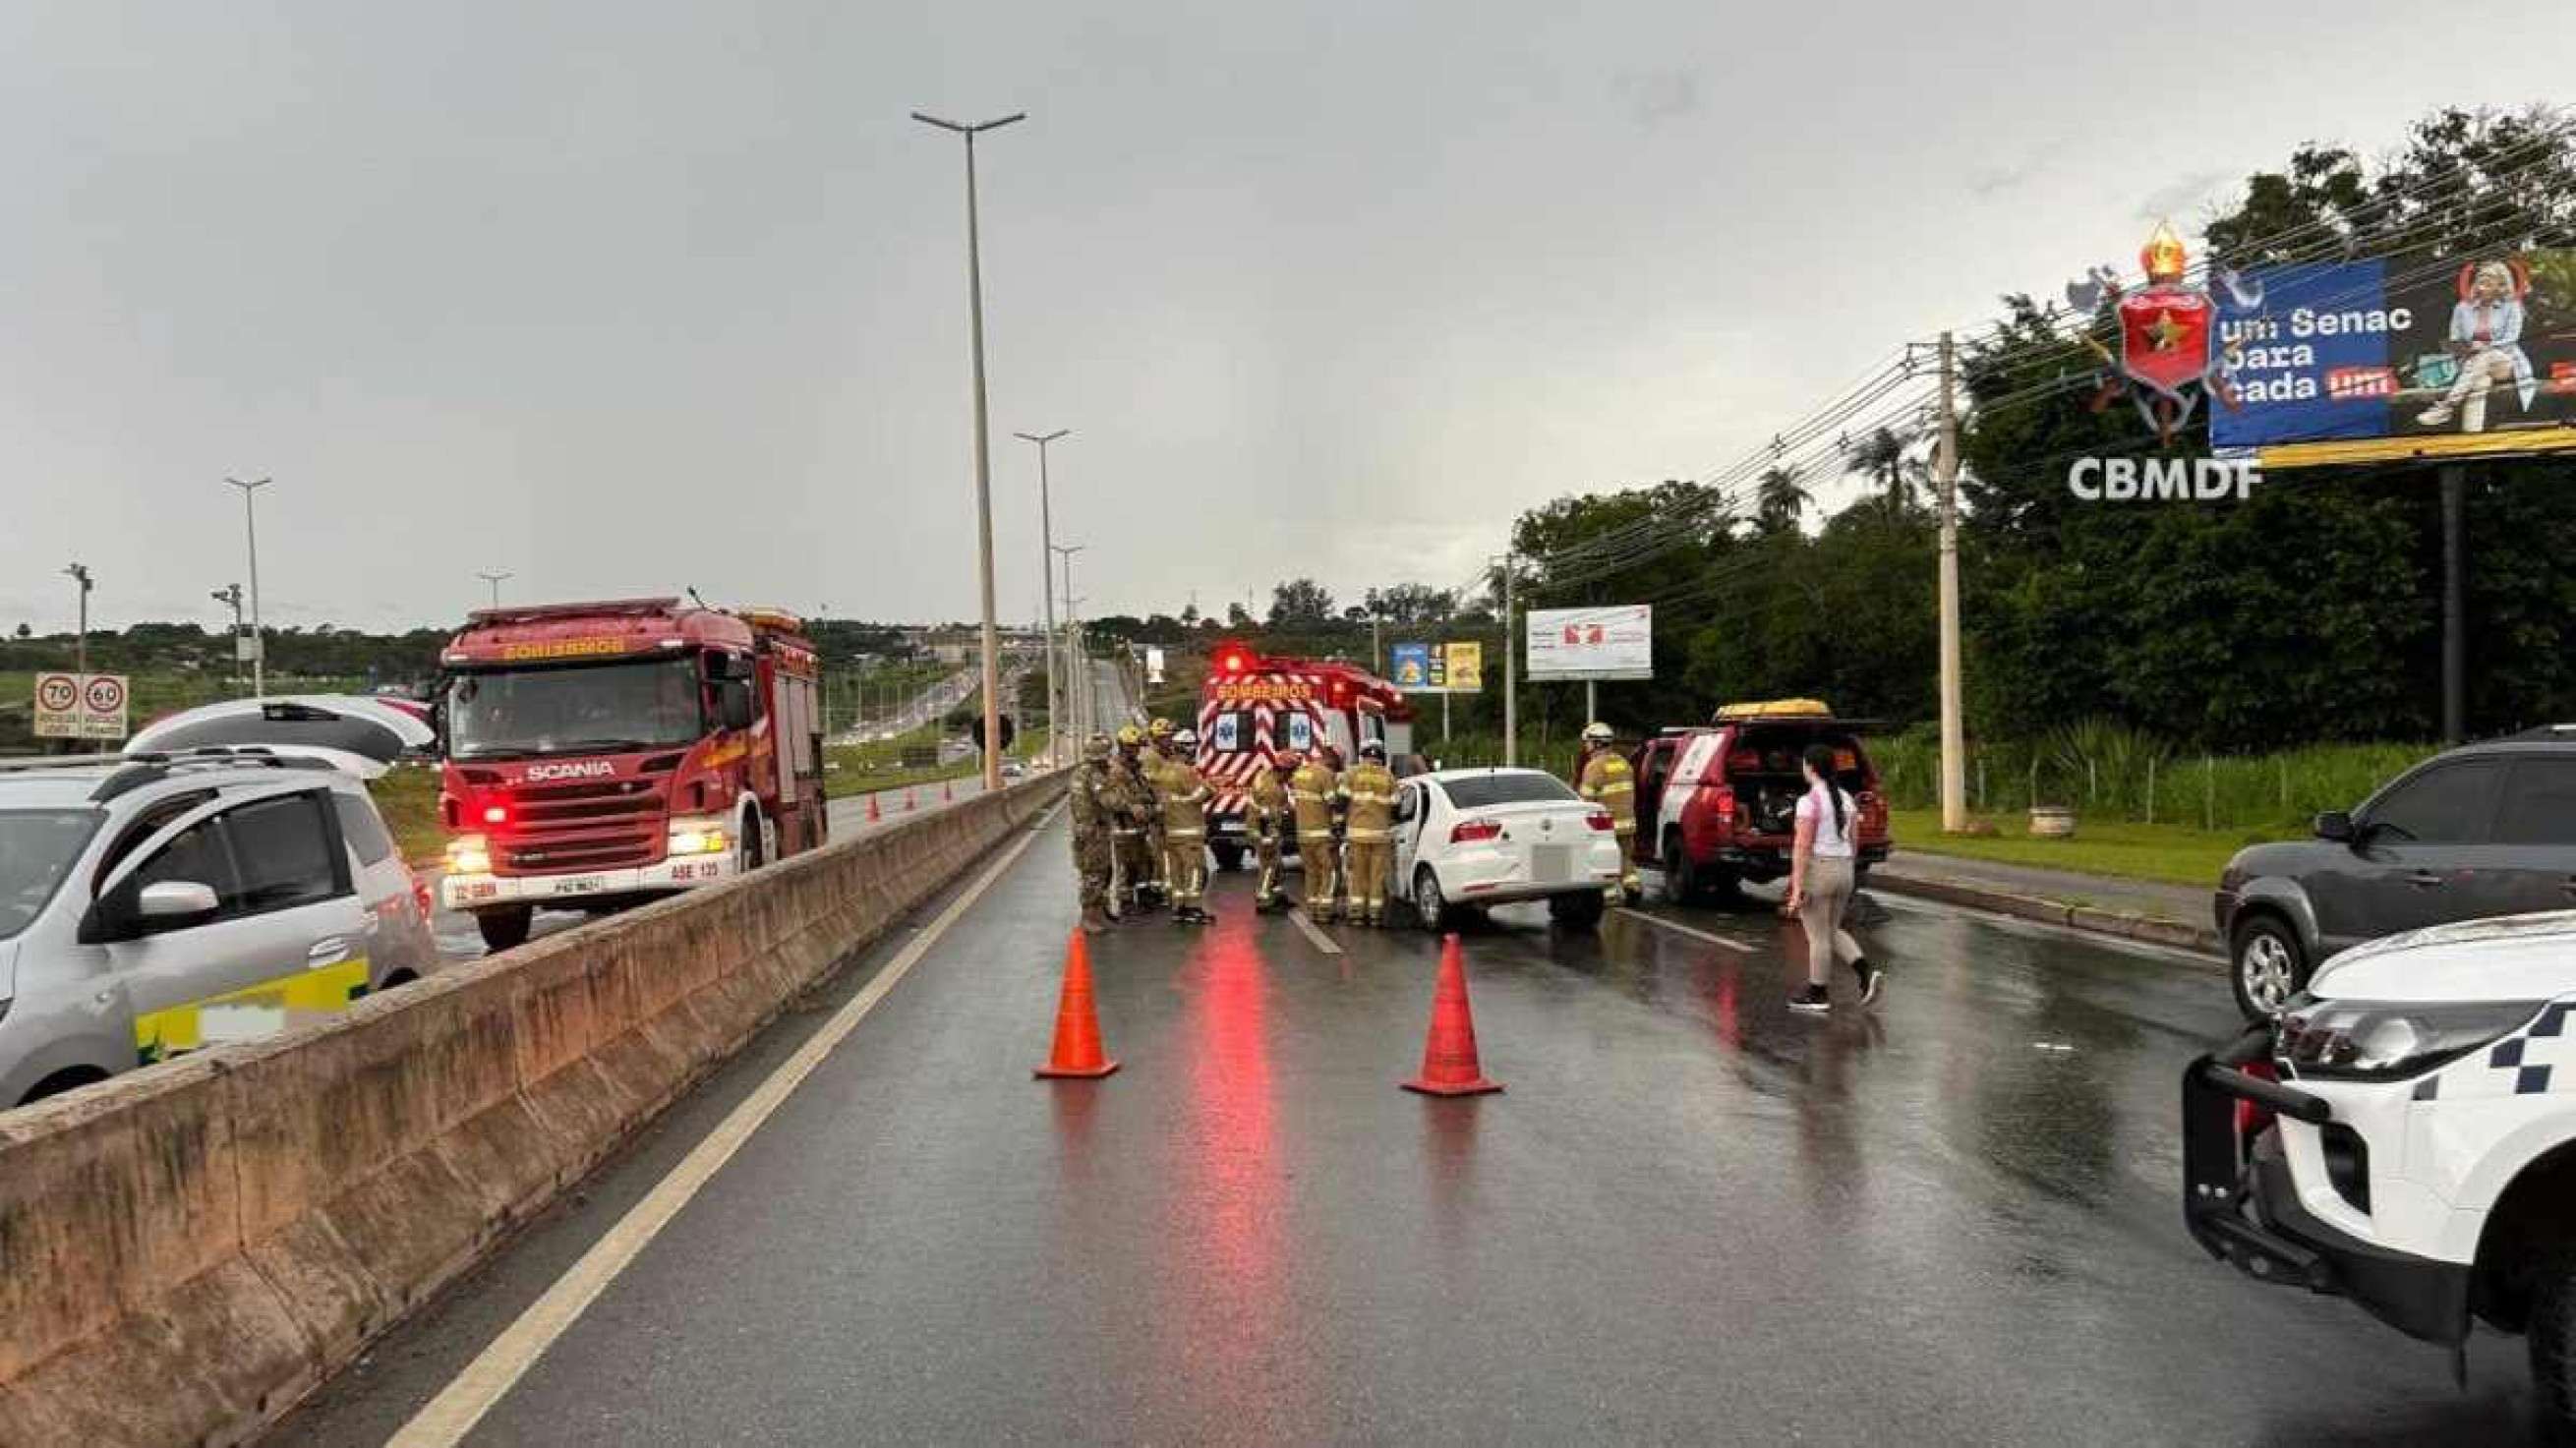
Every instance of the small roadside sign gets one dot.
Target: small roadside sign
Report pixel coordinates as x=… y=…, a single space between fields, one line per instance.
x=71 y=706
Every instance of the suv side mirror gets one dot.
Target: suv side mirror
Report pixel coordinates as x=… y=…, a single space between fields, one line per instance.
x=2337 y=826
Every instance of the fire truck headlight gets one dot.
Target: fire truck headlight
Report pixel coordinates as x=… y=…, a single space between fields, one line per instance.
x=701 y=835
x=469 y=855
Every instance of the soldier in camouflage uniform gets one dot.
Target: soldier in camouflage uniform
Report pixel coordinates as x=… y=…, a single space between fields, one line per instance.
x=1097 y=799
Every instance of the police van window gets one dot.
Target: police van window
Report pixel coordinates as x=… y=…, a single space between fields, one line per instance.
x=283 y=849
x=360 y=827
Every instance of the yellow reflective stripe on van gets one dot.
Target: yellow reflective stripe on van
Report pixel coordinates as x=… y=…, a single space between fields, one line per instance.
x=253 y=1011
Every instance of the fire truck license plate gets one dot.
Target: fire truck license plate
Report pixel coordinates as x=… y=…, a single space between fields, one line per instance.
x=581 y=885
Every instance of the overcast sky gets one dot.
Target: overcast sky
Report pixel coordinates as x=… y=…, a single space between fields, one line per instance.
x=632 y=296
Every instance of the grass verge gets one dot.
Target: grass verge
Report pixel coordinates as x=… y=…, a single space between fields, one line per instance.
x=2166 y=854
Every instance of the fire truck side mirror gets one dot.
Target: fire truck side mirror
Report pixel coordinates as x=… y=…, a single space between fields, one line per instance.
x=438 y=725
x=733 y=703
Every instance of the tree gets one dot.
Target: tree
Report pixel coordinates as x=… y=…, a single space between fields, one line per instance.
x=25 y=632
x=1190 y=615
x=1237 y=616
x=1778 y=501
x=1408 y=604
x=1300 y=601
x=1356 y=613
x=1883 y=457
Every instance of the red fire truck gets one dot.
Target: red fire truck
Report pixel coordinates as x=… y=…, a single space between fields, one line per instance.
x=1251 y=708
x=601 y=753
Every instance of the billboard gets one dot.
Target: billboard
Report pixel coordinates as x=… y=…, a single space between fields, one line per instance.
x=1411 y=665
x=2364 y=361
x=1612 y=641
x=1466 y=667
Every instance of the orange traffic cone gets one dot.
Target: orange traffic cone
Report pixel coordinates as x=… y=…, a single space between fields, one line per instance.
x=1449 y=1066
x=1077 y=1050
x=874 y=814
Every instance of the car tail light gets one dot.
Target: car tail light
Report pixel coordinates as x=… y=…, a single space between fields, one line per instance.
x=1474 y=830
x=2251 y=1117
x=1726 y=804
x=1600 y=820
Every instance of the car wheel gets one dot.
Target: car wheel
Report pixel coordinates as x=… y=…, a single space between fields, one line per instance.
x=2552 y=1333
x=1228 y=857
x=1582 y=910
x=1430 y=907
x=2270 y=966
x=505 y=929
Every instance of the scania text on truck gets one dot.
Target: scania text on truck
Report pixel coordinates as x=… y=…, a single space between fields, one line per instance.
x=597 y=754
x=1251 y=708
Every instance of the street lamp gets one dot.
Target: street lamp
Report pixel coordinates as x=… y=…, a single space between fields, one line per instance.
x=79 y=574
x=1046 y=586
x=495 y=579
x=258 y=643
x=983 y=463
x=1073 y=665
x=231 y=593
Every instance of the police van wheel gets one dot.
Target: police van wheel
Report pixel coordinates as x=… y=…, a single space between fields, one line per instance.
x=505 y=929
x=1228 y=857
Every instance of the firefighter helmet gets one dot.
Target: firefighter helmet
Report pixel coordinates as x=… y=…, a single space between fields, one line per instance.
x=1184 y=739
x=1596 y=733
x=1128 y=737
x=1162 y=729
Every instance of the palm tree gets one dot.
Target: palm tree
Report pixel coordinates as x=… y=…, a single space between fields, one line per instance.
x=1778 y=501
x=1882 y=458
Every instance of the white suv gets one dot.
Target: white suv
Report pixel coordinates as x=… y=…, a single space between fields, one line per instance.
x=151 y=904
x=2406 y=1136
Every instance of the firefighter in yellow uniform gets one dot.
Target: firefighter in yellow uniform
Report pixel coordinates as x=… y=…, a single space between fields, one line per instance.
x=1606 y=779
x=1265 y=816
x=1370 y=789
x=1129 y=847
x=1312 y=791
x=1156 y=757
x=1185 y=799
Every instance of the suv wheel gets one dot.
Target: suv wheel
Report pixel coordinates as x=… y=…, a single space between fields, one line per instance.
x=2270 y=966
x=2552 y=1334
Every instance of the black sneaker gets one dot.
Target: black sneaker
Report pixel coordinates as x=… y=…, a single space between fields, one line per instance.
x=1814 y=998
x=1871 y=978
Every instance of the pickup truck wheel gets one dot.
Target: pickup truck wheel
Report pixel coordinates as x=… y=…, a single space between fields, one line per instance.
x=1430 y=907
x=2552 y=1334
x=1229 y=857
x=2267 y=966
x=1682 y=884
x=1582 y=910
x=505 y=929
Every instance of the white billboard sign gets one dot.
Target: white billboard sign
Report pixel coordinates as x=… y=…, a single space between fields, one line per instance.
x=1612 y=641
x=69 y=706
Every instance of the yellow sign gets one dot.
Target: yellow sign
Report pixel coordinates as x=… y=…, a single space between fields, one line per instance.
x=1466 y=668
x=1263 y=691
x=564 y=648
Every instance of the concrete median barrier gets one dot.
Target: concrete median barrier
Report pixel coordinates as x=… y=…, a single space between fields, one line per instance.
x=188 y=1250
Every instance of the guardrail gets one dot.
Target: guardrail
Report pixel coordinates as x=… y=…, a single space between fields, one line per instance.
x=186 y=1251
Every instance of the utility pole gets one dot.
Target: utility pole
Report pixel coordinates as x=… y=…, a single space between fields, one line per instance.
x=1046 y=590
x=992 y=740
x=78 y=573
x=1377 y=647
x=232 y=593
x=1954 y=734
x=1511 y=671
x=258 y=639
x=495 y=579
x=2455 y=648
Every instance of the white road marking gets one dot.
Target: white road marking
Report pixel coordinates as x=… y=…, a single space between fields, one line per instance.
x=1692 y=931
x=462 y=1403
x=1314 y=932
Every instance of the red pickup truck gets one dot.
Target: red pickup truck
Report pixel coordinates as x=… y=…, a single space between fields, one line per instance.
x=1718 y=802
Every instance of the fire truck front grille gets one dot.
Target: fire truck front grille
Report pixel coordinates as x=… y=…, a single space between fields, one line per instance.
x=574 y=854
x=592 y=824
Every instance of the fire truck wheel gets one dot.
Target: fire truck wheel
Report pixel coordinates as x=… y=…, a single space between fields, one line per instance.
x=505 y=929
x=749 y=852
x=1228 y=857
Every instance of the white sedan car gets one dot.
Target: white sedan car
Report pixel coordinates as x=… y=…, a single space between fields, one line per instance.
x=1469 y=838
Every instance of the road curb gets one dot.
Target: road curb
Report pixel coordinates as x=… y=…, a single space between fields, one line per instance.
x=2118 y=924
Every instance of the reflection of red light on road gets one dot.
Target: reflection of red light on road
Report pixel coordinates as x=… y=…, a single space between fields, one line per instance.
x=1729 y=1028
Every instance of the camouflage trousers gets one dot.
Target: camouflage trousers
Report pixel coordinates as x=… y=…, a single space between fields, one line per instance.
x=1132 y=864
x=1091 y=867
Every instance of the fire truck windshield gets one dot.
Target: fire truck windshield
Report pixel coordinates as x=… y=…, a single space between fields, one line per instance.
x=584 y=709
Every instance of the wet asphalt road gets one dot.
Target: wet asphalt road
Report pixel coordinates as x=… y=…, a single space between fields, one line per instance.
x=1694 y=1216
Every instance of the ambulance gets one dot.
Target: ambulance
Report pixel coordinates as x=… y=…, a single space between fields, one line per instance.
x=1252 y=708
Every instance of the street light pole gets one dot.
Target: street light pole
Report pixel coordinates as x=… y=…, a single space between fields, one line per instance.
x=496 y=580
x=1072 y=657
x=258 y=641
x=79 y=574
x=1511 y=672
x=1046 y=590
x=1954 y=734
x=983 y=460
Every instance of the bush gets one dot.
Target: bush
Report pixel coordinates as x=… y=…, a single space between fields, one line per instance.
x=2109 y=770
